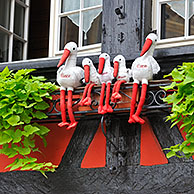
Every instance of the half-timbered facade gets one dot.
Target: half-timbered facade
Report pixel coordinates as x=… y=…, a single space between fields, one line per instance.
x=103 y=154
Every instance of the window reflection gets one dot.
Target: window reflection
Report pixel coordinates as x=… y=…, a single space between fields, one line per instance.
x=92 y=26
x=191 y=17
x=70 y=5
x=17 y=50
x=172 y=19
x=89 y=3
x=19 y=20
x=4 y=47
x=69 y=29
x=4 y=13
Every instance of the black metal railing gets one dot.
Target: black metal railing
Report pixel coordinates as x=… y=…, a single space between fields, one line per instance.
x=153 y=100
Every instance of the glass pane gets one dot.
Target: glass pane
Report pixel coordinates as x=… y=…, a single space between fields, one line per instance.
x=69 y=29
x=172 y=19
x=4 y=47
x=89 y=3
x=191 y=17
x=4 y=13
x=70 y=5
x=17 y=50
x=19 y=20
x=92 y=26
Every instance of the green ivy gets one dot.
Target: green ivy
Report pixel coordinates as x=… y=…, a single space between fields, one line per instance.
x=182 y=101
x=22 y=98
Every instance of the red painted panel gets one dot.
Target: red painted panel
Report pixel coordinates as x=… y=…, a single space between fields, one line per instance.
x=95 y=156
x=151 y=152
x=57 y=142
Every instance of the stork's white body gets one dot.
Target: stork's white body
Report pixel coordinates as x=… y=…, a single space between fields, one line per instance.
x=69 y=75
x=107 y=74
x=144 y=67
x=124 y=74
x=94 y=76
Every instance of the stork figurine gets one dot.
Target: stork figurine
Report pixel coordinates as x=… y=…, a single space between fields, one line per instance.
x=106 y=76
x=69 y=76
x=92 y=78
x=122 y=74
x=143 y=69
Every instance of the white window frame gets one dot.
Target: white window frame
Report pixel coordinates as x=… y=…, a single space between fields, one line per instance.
x=55 y=23
x=156 y=24
x=10 y=31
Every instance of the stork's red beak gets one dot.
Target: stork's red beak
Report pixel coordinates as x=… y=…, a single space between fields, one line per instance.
x=87 y=73
x=64 y=57
x=146 y=46
x=101 y=65
x=116 y=68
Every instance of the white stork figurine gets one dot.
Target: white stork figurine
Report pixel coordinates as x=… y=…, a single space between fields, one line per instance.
x=69 y=76
x=143 y=69
x=122 y=74
x=106 y=76
x=92 y=78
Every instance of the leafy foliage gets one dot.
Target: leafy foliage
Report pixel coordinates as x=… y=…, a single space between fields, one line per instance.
x=182 y=101
x=22 y=98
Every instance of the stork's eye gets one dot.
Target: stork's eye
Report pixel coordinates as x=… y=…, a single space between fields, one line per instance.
x=106 y=55
x=119 y=59
x=73 y=48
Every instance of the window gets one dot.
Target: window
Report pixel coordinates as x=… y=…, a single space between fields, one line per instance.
x=79 y=21
x=13 y=29
x=174 y=21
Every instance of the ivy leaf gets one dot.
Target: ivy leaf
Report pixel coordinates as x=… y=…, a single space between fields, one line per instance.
x=39 y=115
x=13 y=120
x=29 y=130
x=41 y=105
x=170 y=154
x=25 y=117
x=5 y=72
x=4 y=138
x=23 y=151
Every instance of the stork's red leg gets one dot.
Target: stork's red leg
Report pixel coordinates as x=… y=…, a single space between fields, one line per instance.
x=100 y=107
x=113 y=91
x=88 y=100
x=117 y=96
x=140 y=105
x=84 y=95
x=107 y=107
x=133 y=102
x=63 y=111
x=70 y=111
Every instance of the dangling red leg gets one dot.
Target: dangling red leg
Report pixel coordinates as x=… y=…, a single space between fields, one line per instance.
x=87 y=101
x=84 y=95
x=70 y=111
x=113 y=91
x=100 y=107
x=140 y=105
x=117 y=96
x=107 y=107
x=63 y=111
x=133 y=102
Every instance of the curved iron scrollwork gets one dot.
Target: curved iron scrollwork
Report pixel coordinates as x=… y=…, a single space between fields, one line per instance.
x=153 y=100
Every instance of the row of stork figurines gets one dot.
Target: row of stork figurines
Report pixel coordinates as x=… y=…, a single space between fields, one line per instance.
x=69 y=76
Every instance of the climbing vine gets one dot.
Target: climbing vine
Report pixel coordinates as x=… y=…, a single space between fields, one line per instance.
x=182 y=101
x=22 y=98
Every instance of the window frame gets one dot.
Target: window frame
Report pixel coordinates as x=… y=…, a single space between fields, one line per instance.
x=55 y=23
x=156 y=24
x=10 y=31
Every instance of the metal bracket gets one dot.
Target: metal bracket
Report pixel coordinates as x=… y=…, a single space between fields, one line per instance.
x=121 y=37
x=120 y=10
